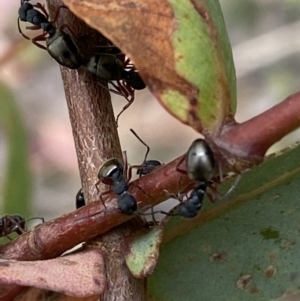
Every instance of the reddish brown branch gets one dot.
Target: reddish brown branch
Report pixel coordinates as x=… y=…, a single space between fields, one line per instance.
x=74 y=227
x=245 y=144
x=52 y=238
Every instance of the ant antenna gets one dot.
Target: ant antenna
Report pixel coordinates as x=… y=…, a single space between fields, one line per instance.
x=147 y=146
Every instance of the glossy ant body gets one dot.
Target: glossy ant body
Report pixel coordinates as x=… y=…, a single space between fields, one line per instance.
x=148 y=165
x=112 y=173
x=110 y=67
x=117 y=175
x=63 y=49
x=80 y=200
x=59 y=44
x=200 y=164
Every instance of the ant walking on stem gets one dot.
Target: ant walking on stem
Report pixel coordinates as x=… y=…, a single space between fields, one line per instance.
x=59 y=44
x=200 y=165
x=117 y=175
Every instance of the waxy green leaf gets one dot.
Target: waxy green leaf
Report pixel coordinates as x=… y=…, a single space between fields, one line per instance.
x=181 y=49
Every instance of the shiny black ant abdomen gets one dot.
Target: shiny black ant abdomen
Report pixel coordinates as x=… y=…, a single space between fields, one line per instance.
x=59 y=44
x=80 y=200
x=200 y=161
x=200 y=165
x=133 y=79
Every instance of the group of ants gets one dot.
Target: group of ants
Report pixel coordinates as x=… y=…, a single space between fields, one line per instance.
x=199 y=159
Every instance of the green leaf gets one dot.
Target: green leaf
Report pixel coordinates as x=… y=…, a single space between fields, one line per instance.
x=181 y=49
x=203 y=57
x=141 y=252
x=243 y=248
x=16 y=185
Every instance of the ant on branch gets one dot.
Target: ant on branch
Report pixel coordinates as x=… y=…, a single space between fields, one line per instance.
x=13 y=223
x=118 y=175
x=59 y=44
x=80 y=201
x=63 y=49
x=110 y=67
x=148 y=165
x=200 y=164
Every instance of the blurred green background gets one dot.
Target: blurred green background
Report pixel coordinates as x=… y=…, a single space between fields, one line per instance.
x=39 y=174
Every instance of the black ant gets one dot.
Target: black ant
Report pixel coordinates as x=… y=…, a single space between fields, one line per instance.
x=13 y=223
x=62 y=48
x=117 y=175
x=113 y=173
x=110 y=67
x=59 y=44
x=80 y=200
x=200 y=164
x=148 y=165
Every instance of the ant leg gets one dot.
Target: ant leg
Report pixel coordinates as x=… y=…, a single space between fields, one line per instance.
x=33 y=27
x=183 y=171
x=147 y=146
x=145 y=214
x=39 y=38
x=97 y=185
x=124 y=108
x=229 y=191
x=171 y=195
x=126 y=89
x=17 y=226
x=126 y=63
x=101 y=195
x=129 y=172
x=42 y=8
x=120 y=90
x=20 y=30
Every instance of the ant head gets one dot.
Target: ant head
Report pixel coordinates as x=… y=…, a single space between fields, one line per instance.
x=110 y=170
x=135 y=80
x=80 y=201
x=200 y=161
x=62 y=48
